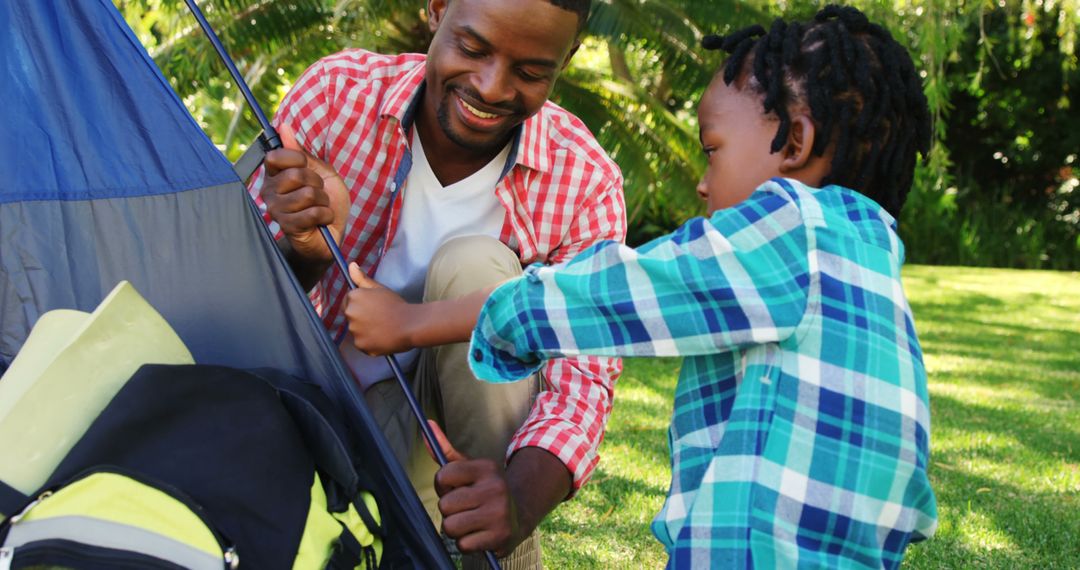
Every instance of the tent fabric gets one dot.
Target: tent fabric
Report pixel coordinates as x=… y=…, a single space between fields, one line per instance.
x=71 y=253
x=104 y=176
x=82 y=116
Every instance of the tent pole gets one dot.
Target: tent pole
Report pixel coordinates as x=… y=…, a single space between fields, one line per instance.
x=272 y=141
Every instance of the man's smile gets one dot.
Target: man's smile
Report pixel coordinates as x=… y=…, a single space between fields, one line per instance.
x=478 y=112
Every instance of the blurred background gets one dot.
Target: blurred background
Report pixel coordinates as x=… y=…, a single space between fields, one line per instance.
x=999 y=189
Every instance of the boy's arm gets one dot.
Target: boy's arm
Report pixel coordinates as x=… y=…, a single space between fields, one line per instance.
x=737 y=279
x=383 y=323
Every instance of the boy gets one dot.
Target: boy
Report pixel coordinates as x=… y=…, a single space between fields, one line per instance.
x=801 y=422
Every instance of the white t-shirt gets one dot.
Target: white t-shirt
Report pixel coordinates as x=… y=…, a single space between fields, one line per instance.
x=430 y=214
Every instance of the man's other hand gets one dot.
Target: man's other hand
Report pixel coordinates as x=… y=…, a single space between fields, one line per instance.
x=477 y=506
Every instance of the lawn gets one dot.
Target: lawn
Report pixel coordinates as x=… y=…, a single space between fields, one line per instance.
x=1003 y=353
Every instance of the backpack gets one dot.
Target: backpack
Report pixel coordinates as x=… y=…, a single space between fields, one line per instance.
x=195 y=466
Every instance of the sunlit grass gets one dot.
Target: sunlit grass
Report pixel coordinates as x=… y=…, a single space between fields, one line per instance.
x=1003 y=352
x=607 y=524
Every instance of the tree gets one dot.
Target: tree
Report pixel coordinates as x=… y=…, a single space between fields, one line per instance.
x=996 y=76
x=635 y=82
x=1008 y=197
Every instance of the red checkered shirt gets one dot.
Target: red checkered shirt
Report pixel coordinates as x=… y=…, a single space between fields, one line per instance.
x=561 y=192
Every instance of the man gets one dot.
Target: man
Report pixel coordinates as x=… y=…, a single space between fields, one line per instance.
x=440 y=176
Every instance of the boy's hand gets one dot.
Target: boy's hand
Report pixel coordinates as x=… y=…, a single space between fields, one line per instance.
x=301 y=193
x=379 y=320
x=478 y=509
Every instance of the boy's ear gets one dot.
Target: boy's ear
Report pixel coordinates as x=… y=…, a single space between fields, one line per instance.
x=800 y=143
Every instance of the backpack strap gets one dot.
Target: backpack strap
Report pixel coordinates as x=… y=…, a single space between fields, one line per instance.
x=11 y=500
x=325 y=437
x=350 y=554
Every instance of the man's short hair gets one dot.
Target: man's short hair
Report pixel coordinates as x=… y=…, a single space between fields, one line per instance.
x=579 y=7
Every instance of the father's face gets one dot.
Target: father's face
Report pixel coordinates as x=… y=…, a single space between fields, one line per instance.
x=492 y=64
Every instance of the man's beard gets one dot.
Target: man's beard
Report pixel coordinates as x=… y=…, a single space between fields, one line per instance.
x=482 y=147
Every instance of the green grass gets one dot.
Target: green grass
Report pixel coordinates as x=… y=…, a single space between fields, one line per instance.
x=1002 y=349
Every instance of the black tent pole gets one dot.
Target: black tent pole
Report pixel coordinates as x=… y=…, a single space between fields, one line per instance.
x=272 y=141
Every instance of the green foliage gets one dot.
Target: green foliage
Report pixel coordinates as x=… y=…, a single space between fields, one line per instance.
x=1005 y=438
x=1008 y=197
x=990 y=229
x=640 y=98
x=998 y=188
x=271 y=43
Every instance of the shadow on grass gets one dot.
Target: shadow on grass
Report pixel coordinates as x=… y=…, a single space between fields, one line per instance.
x=997 y=336
x=641 y=421
x=997 y=525
x=607 y=524
x=986 y=336
x=659 y=375
x=609 y=490
x=987 y=519
x=1046 y=434
x=1050 y=387
x=638 y=428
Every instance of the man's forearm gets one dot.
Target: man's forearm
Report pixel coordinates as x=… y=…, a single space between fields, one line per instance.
x=538 y=482
x=307 y=272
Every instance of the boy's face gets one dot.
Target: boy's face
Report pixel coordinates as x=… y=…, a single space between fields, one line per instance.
x=736 y=135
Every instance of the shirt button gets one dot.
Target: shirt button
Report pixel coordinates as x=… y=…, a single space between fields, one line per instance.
x=478 y=355
x=393 y=186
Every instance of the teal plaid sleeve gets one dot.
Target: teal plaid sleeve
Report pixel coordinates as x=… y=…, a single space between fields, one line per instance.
x=737 y=279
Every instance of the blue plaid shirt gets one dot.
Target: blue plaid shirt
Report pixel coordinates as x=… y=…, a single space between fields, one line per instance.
x=801 y=422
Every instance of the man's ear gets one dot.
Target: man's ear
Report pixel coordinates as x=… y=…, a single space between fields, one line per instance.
x=436 y=9
x=569 y=56
x=800 y=144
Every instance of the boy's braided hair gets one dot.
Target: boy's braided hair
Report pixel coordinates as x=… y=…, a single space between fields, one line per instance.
x=860 y=85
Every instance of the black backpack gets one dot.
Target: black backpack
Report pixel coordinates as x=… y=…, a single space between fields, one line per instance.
x=203 y=466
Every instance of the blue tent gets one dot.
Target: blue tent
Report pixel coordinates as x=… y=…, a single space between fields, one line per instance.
x=104 y=176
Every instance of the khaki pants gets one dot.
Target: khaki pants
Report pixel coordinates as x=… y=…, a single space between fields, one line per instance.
x=479 y=418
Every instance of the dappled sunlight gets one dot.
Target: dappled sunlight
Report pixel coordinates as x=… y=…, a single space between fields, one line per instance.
x=629 y=486
x=1018 y=393
x=641 y=408
x=624 y=507
x=645 y=396
x=979 y=531
x=1004 y=378
x=617 y=512
x=999 y=457
x=640 y=464
x=593 y=552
